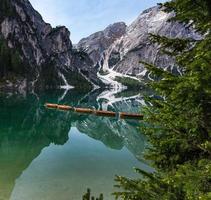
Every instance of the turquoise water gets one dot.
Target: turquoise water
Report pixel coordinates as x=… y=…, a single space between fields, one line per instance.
x=50 y=155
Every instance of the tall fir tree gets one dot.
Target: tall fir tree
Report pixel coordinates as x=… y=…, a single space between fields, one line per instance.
x=178 y=125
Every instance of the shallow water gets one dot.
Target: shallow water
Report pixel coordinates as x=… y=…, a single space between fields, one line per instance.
x=51 y=155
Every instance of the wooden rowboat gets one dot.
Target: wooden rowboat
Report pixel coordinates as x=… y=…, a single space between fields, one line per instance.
x=64 y=107
x=124 y=115
x=121 y=115
x=50 y=105
x=83 y=110
x=105 y=113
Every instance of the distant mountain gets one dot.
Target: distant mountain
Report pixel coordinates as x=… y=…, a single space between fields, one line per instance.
x=122 y=57
x=98 y=42
x=33 y=55
x=36 y=55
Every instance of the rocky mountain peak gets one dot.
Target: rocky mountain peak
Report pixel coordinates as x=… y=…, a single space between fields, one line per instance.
x=98 y=42
x=99 y=58
x=115 y=30
x=38 y=40
x=122 y=57
x=40 y=45
x=58 y=40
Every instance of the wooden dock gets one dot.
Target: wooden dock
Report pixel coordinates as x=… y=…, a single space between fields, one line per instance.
x=121 y=115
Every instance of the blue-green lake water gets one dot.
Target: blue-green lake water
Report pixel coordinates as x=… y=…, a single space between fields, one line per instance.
x=53 y=155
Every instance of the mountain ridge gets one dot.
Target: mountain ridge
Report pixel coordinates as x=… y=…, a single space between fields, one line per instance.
x=51 y=60
x=44 y=48
x=123 y=56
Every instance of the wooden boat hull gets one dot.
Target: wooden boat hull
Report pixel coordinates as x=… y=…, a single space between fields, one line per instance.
x=121 y=115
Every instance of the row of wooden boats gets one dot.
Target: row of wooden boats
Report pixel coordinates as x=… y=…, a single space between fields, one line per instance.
x=121 y=115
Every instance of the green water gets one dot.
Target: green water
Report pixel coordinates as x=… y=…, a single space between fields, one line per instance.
x=51 y=155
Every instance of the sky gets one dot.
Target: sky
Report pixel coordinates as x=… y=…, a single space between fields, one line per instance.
x=84 y=17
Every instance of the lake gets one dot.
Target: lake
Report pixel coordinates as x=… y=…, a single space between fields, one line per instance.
x=50 y=155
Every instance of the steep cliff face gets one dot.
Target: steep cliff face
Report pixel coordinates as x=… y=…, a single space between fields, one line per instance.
x=98 y=42
x=123 y=56
x=47 y=51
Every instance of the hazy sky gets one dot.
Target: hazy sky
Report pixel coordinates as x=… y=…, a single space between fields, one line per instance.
x=84 y=17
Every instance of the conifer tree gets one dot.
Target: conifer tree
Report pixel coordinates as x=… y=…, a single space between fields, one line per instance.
x=88 y=196
x=178 y=125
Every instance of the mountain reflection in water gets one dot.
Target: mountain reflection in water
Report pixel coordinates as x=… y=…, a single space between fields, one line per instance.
x=30 y=135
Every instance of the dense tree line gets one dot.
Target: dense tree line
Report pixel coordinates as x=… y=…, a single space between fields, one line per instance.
x=131 y=83
x=6 y=10
x=49 y=78
x=10 y=61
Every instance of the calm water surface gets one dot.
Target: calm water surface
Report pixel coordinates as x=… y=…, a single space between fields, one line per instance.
x=51 y=155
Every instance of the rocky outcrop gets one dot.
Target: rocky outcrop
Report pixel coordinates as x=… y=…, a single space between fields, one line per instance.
x=40 y=45
x=98 y=42
x=123 y=56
